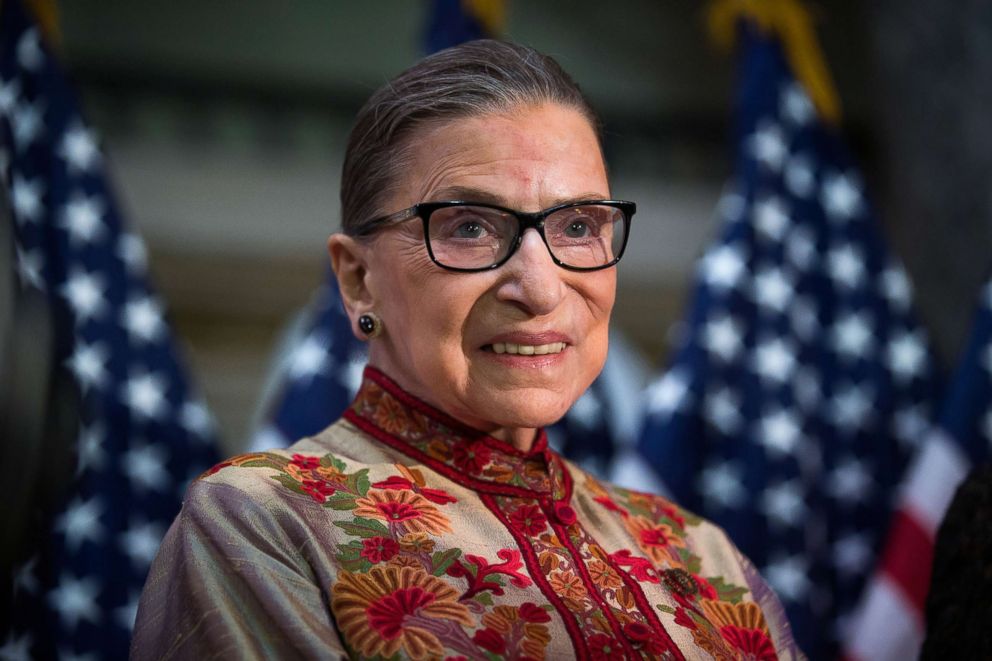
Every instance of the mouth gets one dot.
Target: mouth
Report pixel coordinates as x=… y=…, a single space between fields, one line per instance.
x=526 y=349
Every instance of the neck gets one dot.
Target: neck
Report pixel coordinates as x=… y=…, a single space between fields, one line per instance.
x=522 y=438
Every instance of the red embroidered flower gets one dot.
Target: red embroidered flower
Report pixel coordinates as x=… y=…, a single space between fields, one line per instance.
x=308 y=463
x=397 y=483
x=386 y=614
x=753 y=642
x=603 y=648
x=674 y=515
x=490 y=639
x=318 y=490
x=379 y=549
x=471 y=457
x=528 y=519
x=706 y=589
x=531 y=612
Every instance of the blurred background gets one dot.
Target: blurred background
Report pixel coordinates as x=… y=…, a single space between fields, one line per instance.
x=224 y=127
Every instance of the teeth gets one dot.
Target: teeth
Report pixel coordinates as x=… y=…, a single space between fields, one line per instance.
x=528 y=349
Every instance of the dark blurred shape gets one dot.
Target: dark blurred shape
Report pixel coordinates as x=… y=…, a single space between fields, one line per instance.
x=452 y=22
x=959 y=607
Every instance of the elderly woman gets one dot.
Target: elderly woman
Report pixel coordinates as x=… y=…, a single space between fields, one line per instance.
x=432 y=521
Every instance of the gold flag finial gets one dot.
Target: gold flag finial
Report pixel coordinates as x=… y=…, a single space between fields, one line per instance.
x=791 y=22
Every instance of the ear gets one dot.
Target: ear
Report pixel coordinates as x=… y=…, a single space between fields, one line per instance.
x=349 y=259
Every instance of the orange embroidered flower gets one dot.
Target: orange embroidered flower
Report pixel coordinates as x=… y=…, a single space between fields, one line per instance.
x=393 y=607
x=501 y=618
x=391 y=416
x=417 y=542
x=568 y=585
x=603 y=575
x=655 y=539
x=742 y=625
x=408 y=511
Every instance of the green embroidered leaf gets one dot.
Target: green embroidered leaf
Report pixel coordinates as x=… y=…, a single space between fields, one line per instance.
x=727 y=591
x=484 y=598
x=341 y=501
x=665 y=609
x=351 y=559
x=364 y=528
x=443 y=559
x=693 y=563
x=288 y=482
x=359 y=482
x=263 y=462
x=330 y=461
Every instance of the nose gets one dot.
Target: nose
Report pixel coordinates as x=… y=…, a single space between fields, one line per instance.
x=530 y=279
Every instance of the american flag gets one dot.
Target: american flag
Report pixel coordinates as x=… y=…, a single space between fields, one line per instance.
x=889 y=623
x=143 y=432
x=802 y=383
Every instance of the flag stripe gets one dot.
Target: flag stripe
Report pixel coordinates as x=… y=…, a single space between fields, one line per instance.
x=932 y=480
x=890 y=628
x=907 y=560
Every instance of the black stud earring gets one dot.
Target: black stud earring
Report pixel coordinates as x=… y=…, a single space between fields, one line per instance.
x=370 y=324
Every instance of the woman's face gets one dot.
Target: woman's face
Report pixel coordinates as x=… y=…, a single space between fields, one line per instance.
x=440 y=326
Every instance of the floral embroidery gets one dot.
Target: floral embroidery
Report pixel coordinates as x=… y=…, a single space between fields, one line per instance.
x=390 y=608
x=528 y=519
x=407 y=511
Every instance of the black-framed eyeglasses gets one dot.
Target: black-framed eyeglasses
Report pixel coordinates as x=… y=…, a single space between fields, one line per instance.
x=472 y=236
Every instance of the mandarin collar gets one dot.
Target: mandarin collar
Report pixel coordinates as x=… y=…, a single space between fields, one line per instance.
x=465 y=455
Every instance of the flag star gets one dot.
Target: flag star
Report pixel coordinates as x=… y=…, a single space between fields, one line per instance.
x=796 y=105
x=91 y=454
x=723 y=267
x=907 y=356
x=145 y=467
x=722 y=336
x=723 y=483
x=84 y=292
x=800 y=248
x=767 y=145
x=309 y=358
x=789 y=577
x=806 y=388
x=910 y=424
x=775 y=360
x=799 y=176
x=26 y=125
x=76 y=599
x=82 y=218
x=126 y=614
x=81 y=522
x=10 y=93
x=17 y=647
x=851 y=407
x=772 y=289
x=142 y=318
x=850 y=482
x=731 y=206
x=852 y=336
x=852 y=554
x=140 y=542
x=26 y=199
x=805 y=321
x=351 y=375
x=783 y=504
x=145 y=395
x=24 y=577
x=846 y=265
x=722 y=410
x=29 y=268
x=131 y=250
x=29 y=53
x=195 y=417
x=840 y=195
x=78 y=149
x=779 y=432
x=669 y=393
x=587 y=412
x=267 y=438
x=895 y=287
x=88 y=363
x=771 y=217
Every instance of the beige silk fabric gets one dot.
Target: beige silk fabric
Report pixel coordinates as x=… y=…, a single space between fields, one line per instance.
x=397 y=532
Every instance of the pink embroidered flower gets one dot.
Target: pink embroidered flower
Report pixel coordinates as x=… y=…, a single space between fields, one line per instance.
x=319 y=490
x=305 y=462
x=604 y=648
x=490 y=639
x=472 y=457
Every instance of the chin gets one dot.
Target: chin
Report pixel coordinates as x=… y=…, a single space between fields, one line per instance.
x=527 y=409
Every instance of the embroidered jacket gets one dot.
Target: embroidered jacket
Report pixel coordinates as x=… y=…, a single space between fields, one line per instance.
x=400 y=533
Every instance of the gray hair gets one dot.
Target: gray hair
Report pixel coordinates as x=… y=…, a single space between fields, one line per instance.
x=474 y=78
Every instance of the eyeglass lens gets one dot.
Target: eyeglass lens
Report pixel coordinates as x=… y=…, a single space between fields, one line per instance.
x=468 y=237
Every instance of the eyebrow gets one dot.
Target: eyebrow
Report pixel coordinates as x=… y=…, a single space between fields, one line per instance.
x=469 y=194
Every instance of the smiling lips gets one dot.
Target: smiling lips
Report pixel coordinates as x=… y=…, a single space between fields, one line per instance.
x=528 y=349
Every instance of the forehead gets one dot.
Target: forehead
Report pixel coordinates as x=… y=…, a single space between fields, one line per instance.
x=529 y=157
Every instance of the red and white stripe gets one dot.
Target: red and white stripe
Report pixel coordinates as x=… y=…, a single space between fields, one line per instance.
x=889 y=623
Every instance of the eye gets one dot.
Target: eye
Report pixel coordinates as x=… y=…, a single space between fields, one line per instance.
x=468 y=230
x=577 y=229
